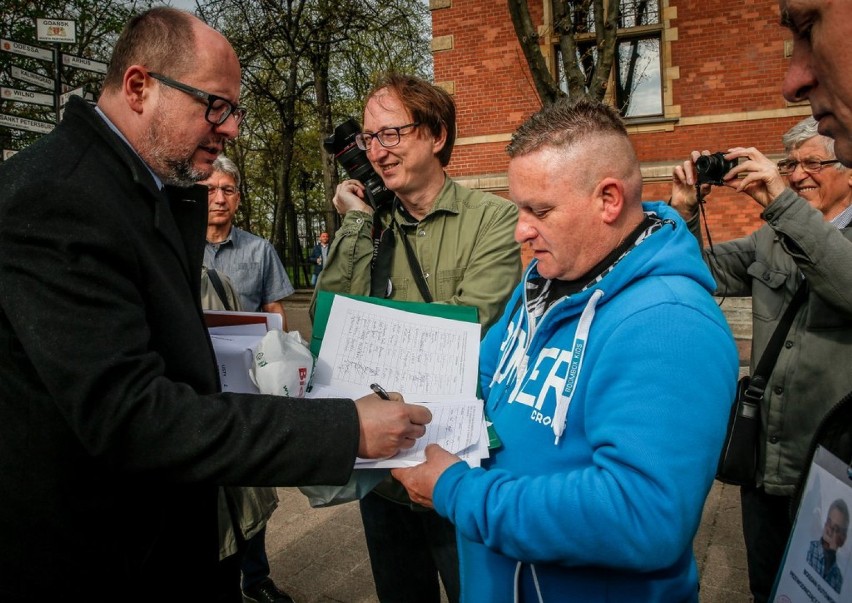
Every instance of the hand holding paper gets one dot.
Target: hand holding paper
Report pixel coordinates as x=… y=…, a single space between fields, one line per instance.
x=420 y=481
x=389 y=425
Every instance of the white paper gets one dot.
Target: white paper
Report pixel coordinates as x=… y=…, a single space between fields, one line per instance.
x=430 y=360
x=456 y=427
x=234 y=341
x=426 y=358
x=234 y=355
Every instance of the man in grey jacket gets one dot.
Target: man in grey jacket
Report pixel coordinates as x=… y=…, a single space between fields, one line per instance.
x=806 y=199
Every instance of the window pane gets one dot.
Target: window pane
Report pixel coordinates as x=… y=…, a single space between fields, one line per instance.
x=639 y=12
x=633 y=14
x=639 y=88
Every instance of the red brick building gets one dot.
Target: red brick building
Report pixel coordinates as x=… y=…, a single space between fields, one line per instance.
x=719 y=67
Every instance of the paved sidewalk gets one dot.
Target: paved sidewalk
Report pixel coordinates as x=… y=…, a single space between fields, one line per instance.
x=320 y=556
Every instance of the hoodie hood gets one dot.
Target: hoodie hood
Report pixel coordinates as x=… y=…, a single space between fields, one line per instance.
x=654 y=252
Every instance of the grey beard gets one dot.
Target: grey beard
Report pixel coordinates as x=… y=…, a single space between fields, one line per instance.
x=181 y=173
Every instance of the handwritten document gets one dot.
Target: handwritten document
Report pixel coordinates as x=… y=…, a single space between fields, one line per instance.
x=455 y=426
x=427 y=359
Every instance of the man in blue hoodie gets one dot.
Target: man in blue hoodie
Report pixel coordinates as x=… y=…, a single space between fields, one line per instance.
x=608 y=379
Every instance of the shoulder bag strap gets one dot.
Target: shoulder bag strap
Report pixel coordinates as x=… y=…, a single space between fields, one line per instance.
x=219 y=288
x=766 y=363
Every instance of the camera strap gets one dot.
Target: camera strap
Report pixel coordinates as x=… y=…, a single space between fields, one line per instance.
x=770 y=354
x=383 y=258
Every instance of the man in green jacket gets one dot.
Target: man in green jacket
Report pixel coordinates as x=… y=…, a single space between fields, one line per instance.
x=436 y=241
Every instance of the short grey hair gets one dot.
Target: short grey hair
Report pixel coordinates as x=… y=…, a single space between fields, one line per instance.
x=226 y=166
x=803 y=132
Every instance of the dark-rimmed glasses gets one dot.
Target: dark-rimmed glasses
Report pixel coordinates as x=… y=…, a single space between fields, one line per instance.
x=387 y=137
x=218 y=108
x=811 y=166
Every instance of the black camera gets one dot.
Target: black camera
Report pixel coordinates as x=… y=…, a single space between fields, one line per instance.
x=712 y=168
x=342 y=145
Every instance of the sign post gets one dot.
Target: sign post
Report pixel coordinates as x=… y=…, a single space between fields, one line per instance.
x=58 y=31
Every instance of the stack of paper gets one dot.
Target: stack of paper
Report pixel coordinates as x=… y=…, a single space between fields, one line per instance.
x=428 y=359
x=235 y=335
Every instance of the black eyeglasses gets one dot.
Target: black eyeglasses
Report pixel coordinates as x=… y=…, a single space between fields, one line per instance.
x=218 y=108
x=811 y=166
x=227 y=190
x=387 y=137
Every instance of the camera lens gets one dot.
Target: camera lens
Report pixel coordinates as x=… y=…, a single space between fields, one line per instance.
x=712 y=168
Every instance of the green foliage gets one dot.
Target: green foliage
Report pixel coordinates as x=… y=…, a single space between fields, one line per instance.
x=307 y=66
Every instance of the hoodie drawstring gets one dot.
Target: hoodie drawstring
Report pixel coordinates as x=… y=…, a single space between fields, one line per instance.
x=578 y=350
x=518 y=582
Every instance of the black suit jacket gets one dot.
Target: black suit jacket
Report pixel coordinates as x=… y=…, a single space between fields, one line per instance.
x=112 y=435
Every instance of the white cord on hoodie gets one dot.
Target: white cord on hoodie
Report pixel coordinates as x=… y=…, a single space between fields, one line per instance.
x=578 y=351
x=535 y=582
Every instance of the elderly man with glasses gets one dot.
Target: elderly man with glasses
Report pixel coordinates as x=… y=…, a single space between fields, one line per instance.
x=807 y=200
x=250 y=261
x=436 y=241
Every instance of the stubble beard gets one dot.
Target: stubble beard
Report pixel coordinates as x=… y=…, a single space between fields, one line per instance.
x=165 y=159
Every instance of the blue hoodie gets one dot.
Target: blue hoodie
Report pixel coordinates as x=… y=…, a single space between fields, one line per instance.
x=611 y=406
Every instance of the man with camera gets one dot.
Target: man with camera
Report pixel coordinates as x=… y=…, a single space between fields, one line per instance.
x=434 y=241
x=806 y=199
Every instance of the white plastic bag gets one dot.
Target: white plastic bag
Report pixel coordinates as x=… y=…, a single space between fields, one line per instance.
x=283 y=364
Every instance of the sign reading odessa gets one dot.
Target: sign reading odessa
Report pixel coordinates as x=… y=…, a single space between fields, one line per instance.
x=56 y=30
x=26 y=50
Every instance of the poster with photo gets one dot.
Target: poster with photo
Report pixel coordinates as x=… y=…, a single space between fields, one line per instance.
x=817 y=566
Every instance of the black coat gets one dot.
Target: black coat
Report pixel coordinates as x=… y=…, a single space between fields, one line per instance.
x=112 y=435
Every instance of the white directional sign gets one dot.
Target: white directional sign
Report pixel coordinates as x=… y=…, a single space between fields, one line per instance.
x=32 y=78
x=90 y=65
x=25 y=96
x=56 y=30
x=63 y=98
x=21 y=123
x=25 y=49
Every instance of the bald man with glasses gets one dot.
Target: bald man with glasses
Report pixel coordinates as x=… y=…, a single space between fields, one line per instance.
x=807 y=205
x=114 y=435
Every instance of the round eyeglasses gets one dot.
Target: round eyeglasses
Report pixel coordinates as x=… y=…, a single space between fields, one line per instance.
x=218 y=108
x=387 y=137
x=811 y=166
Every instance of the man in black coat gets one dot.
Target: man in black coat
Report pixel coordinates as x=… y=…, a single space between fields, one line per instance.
x=113 y=436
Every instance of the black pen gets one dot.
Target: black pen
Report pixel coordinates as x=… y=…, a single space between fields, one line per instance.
x=380 y=391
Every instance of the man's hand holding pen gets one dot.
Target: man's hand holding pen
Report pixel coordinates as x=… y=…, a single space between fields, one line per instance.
x=389 y=424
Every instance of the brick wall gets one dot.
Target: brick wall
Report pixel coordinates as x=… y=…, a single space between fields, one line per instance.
x=724 y=61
